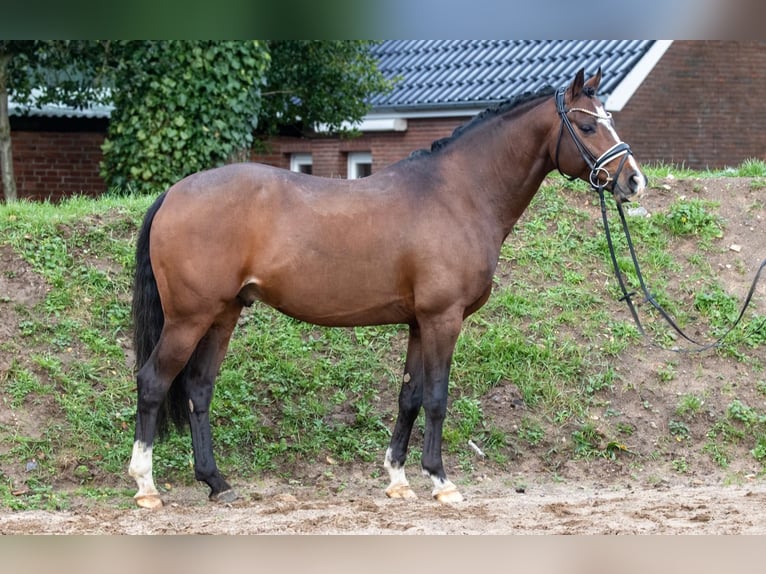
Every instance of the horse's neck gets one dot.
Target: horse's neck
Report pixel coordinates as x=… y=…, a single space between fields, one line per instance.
x=510 y=166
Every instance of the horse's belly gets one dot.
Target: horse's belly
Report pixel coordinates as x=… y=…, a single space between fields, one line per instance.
x=335 y=303
x=390 y=314
x=335 y=312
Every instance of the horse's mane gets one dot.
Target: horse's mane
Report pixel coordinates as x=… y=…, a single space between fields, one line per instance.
x=492 y=112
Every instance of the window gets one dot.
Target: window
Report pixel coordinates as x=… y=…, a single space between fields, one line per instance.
x=359 y=164
x=301 y=162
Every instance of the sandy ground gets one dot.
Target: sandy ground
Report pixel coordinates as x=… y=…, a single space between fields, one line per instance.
x=489 y=508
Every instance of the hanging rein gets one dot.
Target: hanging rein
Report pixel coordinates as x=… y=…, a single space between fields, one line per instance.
x=599 y=179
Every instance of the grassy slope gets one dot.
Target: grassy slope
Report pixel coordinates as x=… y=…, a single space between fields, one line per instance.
x=548 y=340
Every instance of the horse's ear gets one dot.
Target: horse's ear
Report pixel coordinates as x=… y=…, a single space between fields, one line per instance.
x=594 y=82
x=577 y=84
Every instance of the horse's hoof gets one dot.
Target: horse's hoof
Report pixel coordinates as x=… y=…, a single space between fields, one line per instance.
x=225 y=497
x=449 y=495
x=150 y=501
x=400 y=491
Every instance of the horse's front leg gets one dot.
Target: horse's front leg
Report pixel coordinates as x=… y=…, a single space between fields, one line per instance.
x=410 y=401
x=439 y=334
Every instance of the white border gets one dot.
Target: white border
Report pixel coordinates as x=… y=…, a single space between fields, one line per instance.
x=355 y=157
x=299 y=159
x=625 y=89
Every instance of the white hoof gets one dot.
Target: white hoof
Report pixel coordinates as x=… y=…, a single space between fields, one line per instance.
x=448 y=496
x=400 y=491
x=150 y=501
x=446 y=492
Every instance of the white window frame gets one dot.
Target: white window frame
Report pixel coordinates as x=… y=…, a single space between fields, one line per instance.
x=300 y=160
x=355 y=158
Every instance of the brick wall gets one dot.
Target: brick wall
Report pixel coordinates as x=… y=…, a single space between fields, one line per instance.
x=329 y=155
x=56 y=164
x=702 y=106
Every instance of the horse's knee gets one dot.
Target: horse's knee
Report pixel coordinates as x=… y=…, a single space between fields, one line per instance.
x=410 y=398
x=435 y=407
x=200 y=395
x=409 y=409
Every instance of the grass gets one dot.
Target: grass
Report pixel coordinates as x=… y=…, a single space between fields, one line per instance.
x=290 y=393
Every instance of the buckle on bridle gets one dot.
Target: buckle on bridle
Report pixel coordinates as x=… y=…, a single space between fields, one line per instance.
x=619 y=149
x=594 y=175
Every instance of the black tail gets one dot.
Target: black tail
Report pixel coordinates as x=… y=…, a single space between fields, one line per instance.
x=148 y=320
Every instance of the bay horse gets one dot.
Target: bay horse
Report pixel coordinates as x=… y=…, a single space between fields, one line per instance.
x=416 y=243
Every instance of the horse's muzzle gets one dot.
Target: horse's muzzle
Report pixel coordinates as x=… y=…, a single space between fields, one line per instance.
x=629 y=186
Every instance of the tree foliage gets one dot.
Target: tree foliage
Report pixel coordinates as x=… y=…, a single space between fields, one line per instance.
x=180 y=107
x=318 y=81
x=71 y=72
x=184 y=106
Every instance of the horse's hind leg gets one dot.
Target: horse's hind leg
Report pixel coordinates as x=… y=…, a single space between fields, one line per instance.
x=410 y=400
x=173 y=350
x=198 y=384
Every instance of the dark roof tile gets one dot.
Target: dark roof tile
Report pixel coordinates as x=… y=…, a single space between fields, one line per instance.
x=445 y=73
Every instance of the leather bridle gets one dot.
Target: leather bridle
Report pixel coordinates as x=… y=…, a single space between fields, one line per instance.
x=596 y=164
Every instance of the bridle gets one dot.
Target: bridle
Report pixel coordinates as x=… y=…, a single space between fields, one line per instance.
x=597 y=170
x=596 y=164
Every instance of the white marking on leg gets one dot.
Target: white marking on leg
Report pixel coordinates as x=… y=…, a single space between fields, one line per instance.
x=407 y=378
x=141 y=470
x=444 y=490
x=395 y=472
x=399 y=487
x=191 y=406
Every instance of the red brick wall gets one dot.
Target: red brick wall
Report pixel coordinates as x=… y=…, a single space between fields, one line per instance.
x=56 y=164
x=329 y=155
x=703 y=105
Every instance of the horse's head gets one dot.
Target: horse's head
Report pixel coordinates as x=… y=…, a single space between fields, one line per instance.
x=587 y=145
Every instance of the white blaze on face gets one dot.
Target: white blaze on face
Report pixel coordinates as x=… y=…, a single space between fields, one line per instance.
x=141 y=469
x=604 y=120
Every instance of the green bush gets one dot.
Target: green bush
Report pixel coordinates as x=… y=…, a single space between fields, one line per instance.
x=162 y=129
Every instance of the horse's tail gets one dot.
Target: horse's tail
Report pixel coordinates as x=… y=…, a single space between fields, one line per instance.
x=148 y=320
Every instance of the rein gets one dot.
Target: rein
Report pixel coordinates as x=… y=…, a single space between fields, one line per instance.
x=596 y=170
x=648 y=297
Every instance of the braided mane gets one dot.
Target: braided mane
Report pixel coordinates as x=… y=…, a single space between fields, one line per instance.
x=497 y=110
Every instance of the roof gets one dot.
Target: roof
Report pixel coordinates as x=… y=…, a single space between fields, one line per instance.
x=58 y=110
x=443 y=75
x=439 y=74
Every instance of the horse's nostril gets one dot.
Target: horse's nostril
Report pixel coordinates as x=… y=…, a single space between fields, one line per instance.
x=636 y=183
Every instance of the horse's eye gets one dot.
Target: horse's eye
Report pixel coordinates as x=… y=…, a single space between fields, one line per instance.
x=587 y=128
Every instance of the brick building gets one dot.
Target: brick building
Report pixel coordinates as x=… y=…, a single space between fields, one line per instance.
x=55 y=156
x=691 y=103
x=696 y=103
x=701 y=105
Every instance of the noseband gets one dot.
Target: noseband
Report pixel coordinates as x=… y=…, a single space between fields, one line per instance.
x=596 y=164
